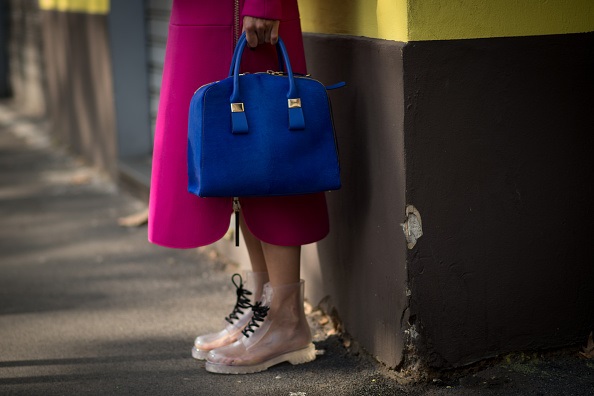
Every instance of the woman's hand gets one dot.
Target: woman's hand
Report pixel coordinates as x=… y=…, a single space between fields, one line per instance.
x=259 y=31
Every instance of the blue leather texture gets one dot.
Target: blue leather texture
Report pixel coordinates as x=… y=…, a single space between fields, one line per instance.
x=239 y=123
x=296 y=119
x=269 y=149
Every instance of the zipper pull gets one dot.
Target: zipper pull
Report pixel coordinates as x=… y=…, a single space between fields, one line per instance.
x=236 y=209
x=275 y=73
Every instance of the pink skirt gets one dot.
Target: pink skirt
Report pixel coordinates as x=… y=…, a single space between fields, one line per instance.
x=199 y=49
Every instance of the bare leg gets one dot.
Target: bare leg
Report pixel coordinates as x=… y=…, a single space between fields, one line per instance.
x=283 y=263
x=248 y=293
x=254 y=247
x=254 y=285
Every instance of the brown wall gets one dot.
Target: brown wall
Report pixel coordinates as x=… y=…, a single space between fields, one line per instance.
x=490 y=140
x=363 y=259
x=498 y=139
x=79 y=85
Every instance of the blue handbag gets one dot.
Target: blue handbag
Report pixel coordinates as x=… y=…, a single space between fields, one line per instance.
x=261 y=134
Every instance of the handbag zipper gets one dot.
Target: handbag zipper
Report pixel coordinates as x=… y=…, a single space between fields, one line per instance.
x=236 y=209
x=285 y=74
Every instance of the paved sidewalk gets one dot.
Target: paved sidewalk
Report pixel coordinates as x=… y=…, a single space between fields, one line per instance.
x=89 y=307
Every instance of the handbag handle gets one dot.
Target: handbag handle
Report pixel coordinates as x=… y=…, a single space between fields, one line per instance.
x=281 y=62
x=238 y=118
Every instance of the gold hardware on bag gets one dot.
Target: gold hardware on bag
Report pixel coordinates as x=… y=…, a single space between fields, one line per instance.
x=293 y=103
x=237 y=108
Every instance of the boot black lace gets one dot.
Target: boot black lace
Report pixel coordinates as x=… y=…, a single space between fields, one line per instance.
x=243 y=302
x=259 y=313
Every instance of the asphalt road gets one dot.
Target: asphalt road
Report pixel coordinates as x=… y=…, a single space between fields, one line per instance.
x=90 y=307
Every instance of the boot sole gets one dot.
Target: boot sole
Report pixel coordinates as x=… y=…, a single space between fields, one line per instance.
x=198 y=354
x=300 y=356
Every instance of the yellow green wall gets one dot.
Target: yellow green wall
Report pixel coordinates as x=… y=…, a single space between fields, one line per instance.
x=85 y=6
x=417 y=20
x=370 y=18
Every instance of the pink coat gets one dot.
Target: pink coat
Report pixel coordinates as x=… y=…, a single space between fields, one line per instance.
x=199 y=48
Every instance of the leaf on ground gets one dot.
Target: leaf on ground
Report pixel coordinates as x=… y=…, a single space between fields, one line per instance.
x=134 y=220
x=80 y=179
x=588 y=350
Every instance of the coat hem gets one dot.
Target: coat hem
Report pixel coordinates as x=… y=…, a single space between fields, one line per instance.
x=191 y=246
x=265 y=240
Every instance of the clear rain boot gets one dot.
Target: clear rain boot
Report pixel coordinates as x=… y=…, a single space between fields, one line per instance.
x=278 y=332
x=238 y=319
